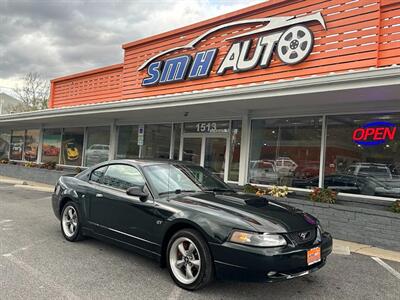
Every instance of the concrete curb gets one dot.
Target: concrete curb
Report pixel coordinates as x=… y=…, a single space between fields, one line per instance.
x=36 y=188
x=342 y=247
x=27 y=184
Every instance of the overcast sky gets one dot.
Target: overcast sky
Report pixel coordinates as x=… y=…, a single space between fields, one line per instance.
x=57 y=38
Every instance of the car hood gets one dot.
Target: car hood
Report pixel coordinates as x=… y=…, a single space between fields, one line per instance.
x=260 y=213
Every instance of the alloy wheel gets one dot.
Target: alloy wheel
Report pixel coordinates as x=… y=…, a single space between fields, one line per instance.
x=185 y=260
x=70 y=221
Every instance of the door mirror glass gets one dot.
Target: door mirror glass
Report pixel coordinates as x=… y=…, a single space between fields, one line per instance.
x=138 y=192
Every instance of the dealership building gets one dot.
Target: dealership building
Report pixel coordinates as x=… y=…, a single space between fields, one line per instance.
x=295 y=93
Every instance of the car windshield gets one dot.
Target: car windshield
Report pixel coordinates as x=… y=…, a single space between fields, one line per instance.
x=169 y=179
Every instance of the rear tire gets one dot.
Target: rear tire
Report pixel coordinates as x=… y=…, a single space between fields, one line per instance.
x=189 y=260
x=71 y=222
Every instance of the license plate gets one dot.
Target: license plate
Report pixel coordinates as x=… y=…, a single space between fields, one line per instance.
x=313 y=255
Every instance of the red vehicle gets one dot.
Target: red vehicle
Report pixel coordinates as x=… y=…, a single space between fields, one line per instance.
x=51 y=151
x=307 y=169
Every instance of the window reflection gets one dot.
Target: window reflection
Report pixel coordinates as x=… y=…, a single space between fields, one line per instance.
x=157 y=141
x=284 y=151
x=127 y=142
x=98 y=145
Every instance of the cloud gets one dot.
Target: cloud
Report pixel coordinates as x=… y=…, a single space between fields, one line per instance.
x=57 y=38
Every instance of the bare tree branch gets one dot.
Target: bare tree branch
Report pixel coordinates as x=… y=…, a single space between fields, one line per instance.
x=34 y=93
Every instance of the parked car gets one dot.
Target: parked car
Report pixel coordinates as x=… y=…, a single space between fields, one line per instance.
x=97 y=153
x=344 y=183
x=51 y=150
x=380 y=171
x=190 y=221
x=30 y=152
x=263 y=172
x=285 y=166
x=308 y=169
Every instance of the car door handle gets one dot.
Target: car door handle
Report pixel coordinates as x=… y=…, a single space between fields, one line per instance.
x=99 y=195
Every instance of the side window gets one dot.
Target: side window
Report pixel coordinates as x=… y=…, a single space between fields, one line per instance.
x=97 y=175
x=123 y=177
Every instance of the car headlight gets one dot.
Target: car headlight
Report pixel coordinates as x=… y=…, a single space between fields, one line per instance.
x=257 y=239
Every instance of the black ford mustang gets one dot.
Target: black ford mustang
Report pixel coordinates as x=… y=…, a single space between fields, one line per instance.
x=190 y=221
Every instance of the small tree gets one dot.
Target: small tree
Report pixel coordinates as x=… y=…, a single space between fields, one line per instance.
x=34 y=93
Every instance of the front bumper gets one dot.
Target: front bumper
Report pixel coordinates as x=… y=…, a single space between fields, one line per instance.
x=244 y=263
x=55 y=203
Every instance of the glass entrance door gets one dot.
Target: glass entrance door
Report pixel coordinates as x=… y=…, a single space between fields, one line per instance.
x=214 y=155
x=192 y=150
x=207 y=151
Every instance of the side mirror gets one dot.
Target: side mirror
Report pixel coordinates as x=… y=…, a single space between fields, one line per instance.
x=138 y=192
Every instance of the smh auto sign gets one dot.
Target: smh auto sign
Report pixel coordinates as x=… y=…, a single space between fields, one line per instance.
x=288 y=37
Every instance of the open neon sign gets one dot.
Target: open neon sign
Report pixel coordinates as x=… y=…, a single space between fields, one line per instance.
x=374 y=133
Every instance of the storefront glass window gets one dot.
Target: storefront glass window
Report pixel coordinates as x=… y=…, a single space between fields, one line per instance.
x=234 y=157
x=31 y=144
x=17 y=144
x=51 y=145
x=4 y=144
x=363 y=154
x=72 y=146
x=157 y=141
x=285 y=151
x=128 y=142
x=98 y=145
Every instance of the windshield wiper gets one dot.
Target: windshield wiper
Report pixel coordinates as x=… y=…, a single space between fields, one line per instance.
x=178 y=191
x=219 y=190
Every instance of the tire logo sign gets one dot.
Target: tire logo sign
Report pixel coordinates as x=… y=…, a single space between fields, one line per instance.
x=288 y=37
x=295 y=45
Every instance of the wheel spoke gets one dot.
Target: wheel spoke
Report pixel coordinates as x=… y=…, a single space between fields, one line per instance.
x=70 y=213
x=181 y=249
x=71 y=228
x=179 y=263
x=191 y=248
x=196 y=262
x=189 y=274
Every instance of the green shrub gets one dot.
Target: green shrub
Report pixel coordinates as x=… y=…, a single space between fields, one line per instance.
x=323 y=195
x=395 y=207
x=50 y=165
x=250 y=189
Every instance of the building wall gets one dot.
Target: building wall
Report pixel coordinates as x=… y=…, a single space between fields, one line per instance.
x=360 y=35
x=94 y=86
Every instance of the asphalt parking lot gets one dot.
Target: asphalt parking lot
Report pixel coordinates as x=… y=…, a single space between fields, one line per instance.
x=37 y=263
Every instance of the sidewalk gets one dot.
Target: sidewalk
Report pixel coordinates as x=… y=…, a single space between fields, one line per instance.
x=339 y=246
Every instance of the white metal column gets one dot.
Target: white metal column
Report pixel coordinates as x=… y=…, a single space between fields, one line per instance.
x=322 y=153
x=244 y=149
x=40 y=146
x=172 y=142
x=113 y=140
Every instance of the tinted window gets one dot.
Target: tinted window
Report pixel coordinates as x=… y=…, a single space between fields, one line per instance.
x=123 y=177
x=97 y=175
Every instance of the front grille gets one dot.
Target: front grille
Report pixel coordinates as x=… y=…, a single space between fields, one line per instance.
x=303 y=237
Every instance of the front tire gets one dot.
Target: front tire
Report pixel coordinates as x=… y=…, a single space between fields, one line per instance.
x=189 y=260
x=71 y=222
